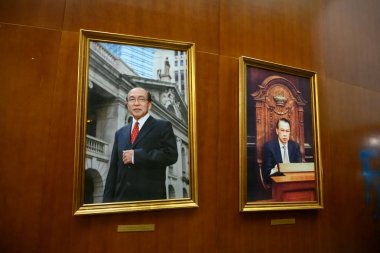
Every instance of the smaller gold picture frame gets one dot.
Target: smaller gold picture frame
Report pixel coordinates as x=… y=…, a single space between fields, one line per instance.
x=279 y=150
x=162 y=174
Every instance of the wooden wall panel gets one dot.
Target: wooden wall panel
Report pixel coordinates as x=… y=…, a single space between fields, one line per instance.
x=277 y=31
x=343 y=138
x=193 y=21
x=38 y=70
x=57 y=222
x=27 y=85
x=39 y=13
x=349 y=36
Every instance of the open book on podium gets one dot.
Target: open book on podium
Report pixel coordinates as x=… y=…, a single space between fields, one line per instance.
x=295 y=167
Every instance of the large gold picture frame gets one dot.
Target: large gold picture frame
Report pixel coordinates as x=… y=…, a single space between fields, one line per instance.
x=110 y=66
x=278 y=105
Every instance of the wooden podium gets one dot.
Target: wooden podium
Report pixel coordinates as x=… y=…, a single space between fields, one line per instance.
x=294 y=186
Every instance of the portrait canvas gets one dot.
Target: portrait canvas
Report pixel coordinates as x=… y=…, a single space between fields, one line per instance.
x=279 y=149
x=124 y=79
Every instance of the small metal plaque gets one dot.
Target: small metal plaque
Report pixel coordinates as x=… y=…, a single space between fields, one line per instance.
x=135 y=228
x=283 y=221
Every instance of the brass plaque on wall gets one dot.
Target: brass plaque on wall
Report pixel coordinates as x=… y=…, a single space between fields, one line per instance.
x=283 y=221
x=135 y=228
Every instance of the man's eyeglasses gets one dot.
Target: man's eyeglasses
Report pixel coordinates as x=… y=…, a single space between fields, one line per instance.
x=139 y=99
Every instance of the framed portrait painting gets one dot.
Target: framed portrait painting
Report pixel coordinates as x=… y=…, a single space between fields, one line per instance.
x=136 y=117
x=279 y=149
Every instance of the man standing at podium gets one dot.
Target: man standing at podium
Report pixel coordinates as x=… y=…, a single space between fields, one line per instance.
x=280 y=150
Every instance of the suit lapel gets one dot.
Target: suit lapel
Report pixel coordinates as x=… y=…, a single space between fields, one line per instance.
x=278 y=151
x=290 y=150
x=126 y=138
x=146 y=128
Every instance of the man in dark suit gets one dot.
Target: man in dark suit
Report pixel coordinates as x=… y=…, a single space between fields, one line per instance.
x=140 y=154
x=280 y=150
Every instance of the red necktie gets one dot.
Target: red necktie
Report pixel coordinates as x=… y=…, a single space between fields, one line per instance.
x=135 y=132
